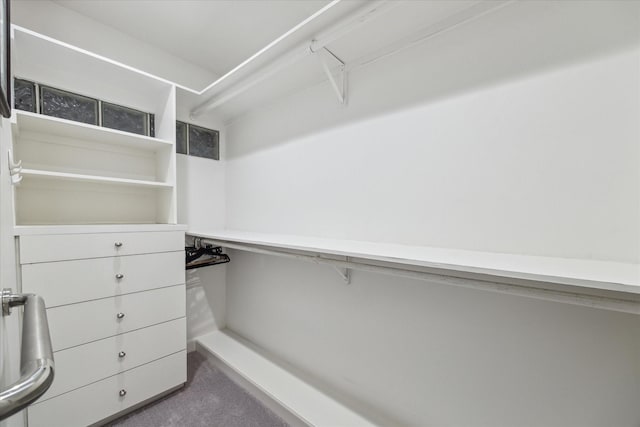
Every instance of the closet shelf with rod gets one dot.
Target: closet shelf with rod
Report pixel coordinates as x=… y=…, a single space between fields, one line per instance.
x=600 y=284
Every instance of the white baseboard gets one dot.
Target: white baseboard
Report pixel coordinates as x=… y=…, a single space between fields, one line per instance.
x=294 y=400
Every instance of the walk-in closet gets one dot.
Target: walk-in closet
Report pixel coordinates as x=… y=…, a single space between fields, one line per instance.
x=329 y=213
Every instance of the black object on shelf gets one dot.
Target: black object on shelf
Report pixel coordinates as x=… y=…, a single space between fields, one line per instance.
x=204 y=257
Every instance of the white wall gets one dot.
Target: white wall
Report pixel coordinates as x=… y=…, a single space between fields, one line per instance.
x=47 y=17
x=9 y=326
x=201 y=182
x=201 y=205
x=410 y=352
x=515 y=133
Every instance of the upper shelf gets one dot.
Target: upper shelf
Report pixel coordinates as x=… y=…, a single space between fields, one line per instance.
x=45 y=60
x=598 y=275
x=26 y=122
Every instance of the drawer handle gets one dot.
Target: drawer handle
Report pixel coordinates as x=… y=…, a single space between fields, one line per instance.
x=122 y=354
x=119 y=276
x=118 y=244
x=122 y=393
x=120 y=315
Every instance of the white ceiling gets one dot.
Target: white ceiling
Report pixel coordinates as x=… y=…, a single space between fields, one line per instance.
x=216 y=35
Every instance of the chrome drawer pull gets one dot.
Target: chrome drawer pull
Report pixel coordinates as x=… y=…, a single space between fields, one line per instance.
x=119 y=276
x=122 y=354
x=120 y=315
x=123 y=393
x=118 y=244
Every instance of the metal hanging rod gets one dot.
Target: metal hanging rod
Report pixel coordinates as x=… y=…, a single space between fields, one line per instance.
x=270 y=46
x=344 y=26
x=566 y=297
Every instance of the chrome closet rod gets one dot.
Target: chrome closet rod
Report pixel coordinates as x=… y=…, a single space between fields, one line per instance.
x=485 y=284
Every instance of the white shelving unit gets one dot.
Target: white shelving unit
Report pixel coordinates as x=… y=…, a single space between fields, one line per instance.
x=98 y=203
x=609 y=285
x=75 y=173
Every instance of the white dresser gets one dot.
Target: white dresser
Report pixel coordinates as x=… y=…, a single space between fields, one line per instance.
x=116 y=310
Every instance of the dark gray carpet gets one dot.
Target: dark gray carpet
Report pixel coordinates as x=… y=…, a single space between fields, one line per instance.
x=209 y=399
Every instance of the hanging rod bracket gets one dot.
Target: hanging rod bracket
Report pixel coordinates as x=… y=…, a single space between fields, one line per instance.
x=14 y=167
x=504 y=285
x=345 y=273
x=339 y=84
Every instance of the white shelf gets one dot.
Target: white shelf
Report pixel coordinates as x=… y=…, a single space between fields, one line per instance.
x=32 y=230
x=75 y=173
x=301 y=399
x=46 y=60
x=26 y=122
x=62 y=176
x=579 y=273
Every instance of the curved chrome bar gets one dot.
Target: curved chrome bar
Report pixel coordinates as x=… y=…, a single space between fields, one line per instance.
x=36 y=361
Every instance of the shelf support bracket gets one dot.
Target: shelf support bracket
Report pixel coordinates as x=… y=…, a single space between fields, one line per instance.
x=339 y=87
x=345 y=273
x=14 y=167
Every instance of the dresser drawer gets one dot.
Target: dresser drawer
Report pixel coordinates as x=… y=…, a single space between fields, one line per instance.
x=67 y=282
x=97 y=401
x=59 y=247
x=76 y=324
x=88 y=363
